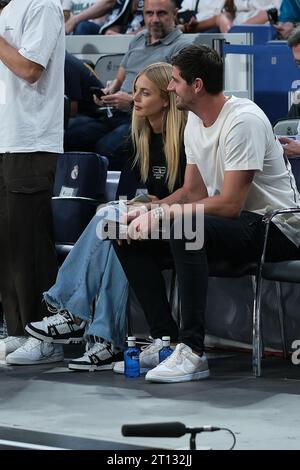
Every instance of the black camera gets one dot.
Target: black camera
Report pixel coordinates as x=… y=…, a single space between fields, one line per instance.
x=272 y=15
x=185 y=16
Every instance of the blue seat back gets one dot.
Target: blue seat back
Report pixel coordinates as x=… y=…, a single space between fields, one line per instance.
x=78 y=175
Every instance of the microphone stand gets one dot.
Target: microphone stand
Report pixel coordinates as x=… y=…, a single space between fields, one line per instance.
x=193 y=432
x=193 y=440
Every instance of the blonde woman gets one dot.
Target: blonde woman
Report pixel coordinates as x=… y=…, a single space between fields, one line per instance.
x=92 y=270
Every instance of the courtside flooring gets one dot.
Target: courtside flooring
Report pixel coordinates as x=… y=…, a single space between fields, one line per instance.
x=48 y=406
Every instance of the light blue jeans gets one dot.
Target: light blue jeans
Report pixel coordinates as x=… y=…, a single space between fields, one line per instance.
x=91 y=272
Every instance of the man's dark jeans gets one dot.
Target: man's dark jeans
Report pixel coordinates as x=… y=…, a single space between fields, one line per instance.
x=28 y=264
x=104 y=135
x=236 y=240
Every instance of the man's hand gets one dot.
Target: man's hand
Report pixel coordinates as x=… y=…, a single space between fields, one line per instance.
x=71 y=24
x=224 y=22
x=99 y=101
x=190 y=27
x=291 y=147
x=284 y=29
x=119 y=100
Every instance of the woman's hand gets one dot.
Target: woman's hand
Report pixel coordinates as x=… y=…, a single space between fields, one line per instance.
x=142 y=226
x=134 y=211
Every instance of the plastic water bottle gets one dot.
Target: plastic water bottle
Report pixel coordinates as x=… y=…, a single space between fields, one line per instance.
x=132 y=358
x=166 y=350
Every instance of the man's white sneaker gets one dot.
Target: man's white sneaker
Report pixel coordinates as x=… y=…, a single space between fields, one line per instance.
x=35 y=351
x=59 y=328
x=181 y=366
x=10 y=344
x=149 y=357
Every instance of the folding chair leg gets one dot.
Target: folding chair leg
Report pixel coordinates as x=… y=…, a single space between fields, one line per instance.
x=257 y=337
x=281 y=317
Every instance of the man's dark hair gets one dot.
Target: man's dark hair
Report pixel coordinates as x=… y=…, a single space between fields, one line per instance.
x=201 y=62
x=294 y=39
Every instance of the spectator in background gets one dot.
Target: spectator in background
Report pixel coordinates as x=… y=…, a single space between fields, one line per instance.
x=119 y=17
x=222 y=15
x=289 y=17
x=291 y=147
x=31 y=136
x=108 y=135
x=86 y=17
x=131 y=23
x=79 y=78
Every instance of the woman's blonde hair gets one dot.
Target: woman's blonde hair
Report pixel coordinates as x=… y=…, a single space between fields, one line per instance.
x=173 y=126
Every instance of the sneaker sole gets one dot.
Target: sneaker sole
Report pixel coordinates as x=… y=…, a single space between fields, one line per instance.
x=142 y=371
x=90 y=368
x=24 y=362
x=183 y=378
x=49 y=339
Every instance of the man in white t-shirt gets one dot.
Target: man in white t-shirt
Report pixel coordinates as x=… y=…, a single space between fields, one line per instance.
x=235 y=173
x=32 y=54
x=291 y=147
x=90 y=15
x=224 y=14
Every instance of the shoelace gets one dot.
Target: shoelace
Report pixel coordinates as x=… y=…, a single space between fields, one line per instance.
x=174 y=358
x=30 y=343
x=56 y=319
x=96 y=348
x=150 y=347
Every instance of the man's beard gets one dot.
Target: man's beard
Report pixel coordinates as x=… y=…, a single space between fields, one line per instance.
x=158 y=32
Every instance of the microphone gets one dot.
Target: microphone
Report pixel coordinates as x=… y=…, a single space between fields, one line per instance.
x=171 y=429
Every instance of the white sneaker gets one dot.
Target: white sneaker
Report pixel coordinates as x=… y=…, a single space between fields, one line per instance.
x=10 y=344
x=98 y=356
x=59 y=328
x=182 y=366
x=149 y=357
x=35 y=351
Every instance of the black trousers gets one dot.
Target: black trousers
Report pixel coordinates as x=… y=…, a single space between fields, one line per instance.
x=236 y=240
x=28 y=263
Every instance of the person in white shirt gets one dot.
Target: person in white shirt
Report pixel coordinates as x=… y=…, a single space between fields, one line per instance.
x=223 y=14
x=32 y=54
x=91 y=14
x=291 y=147
x=235 y=173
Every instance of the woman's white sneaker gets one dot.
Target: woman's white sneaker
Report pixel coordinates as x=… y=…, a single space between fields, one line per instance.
x=98 y=356
x=35 y=351
x=149 y=357
x=10 y=344
x=181 y=366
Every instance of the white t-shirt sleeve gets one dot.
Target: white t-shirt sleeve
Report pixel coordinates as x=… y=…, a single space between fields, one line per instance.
x=246 y=143
x=41 y=32
x=66 y=4
x=190 y=157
